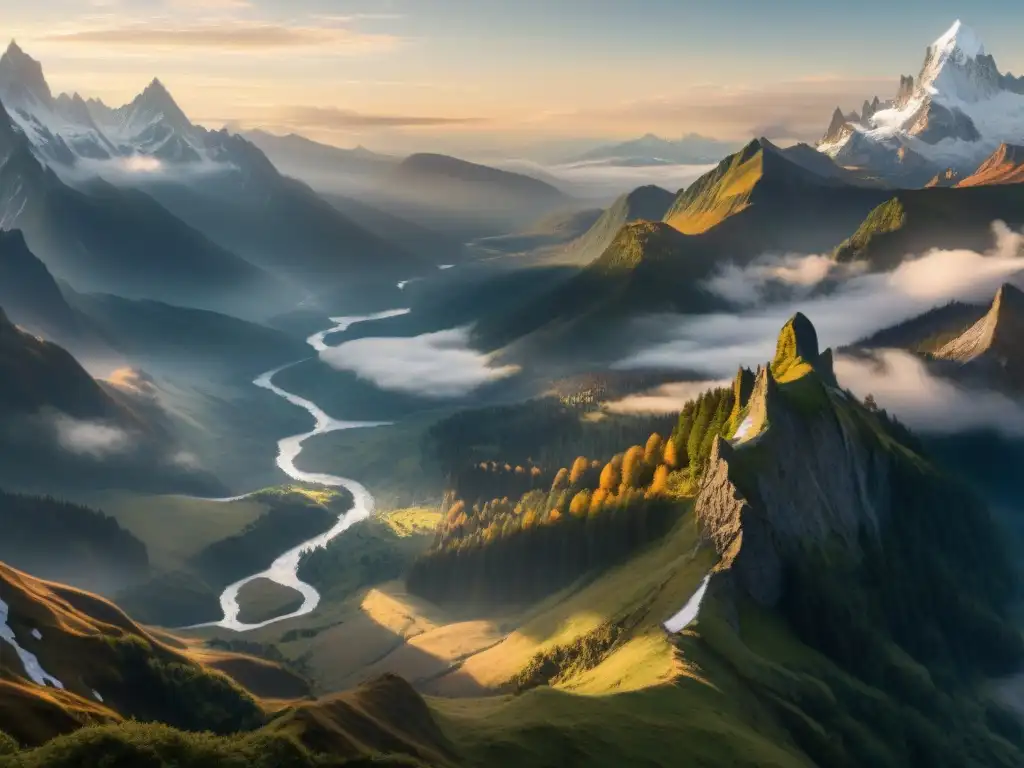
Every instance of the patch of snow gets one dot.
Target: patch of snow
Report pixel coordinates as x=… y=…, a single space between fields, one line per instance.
x=37 y=634
x=743 y=431
x=32 y=666
x=445 y=266
x=688 y=613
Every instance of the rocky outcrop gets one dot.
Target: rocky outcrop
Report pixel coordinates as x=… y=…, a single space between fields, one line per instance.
x=948 y=178
x=905 y=91
x=1004 y=166
x=934 y=122
x=807 y=477
x=742 y=387
x=1000 y=332
x=992 y=349
x=869 y=109
x=836 y=128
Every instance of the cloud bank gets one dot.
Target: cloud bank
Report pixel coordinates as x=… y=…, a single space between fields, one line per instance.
x=902 y=384
x=606 y=180
x=436 y=365
x=857 y=305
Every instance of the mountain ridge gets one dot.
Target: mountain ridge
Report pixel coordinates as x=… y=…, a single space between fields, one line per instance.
x=691 y=149
x=1004 y=166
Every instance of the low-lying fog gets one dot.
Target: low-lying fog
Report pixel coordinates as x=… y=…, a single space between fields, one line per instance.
x=602 y=181
x=854 y=305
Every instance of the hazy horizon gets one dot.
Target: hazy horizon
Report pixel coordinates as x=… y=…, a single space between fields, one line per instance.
x=447 y=75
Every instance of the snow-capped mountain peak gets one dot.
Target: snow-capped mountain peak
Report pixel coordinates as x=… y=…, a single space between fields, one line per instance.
x=21 y=77
x=154 y=104
x=959 y=37
x=957 y=68
x=957 y=111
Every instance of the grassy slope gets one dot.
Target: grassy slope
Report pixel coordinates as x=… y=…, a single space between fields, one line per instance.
x=189 y=538
x=716 y=196
x=755 y=201
x=176 y=528
x=646 y=702
x=90 y=645
x=737 y=688
x=928 y=332
x=914 y=221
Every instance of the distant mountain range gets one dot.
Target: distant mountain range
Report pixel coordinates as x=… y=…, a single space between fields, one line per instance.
x=312 y=161
x=692 y=149
x=548 y=232
x=64 y=429
x=761 y=200
x=94 y=237
x=194 y=181
x=954 y=114
x=649 y=203
x=459 y=197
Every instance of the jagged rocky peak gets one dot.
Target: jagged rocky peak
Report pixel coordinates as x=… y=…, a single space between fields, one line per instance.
x=157 y=103
x=835 y=128
x=798 y=339
x=809 y=478
x=906 y=89
x=760 y=405
x=1004 y=166
x=21 y=77
x=743 y=386
x=998 y=334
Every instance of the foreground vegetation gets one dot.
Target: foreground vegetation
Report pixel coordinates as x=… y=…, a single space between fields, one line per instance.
x=536 y=534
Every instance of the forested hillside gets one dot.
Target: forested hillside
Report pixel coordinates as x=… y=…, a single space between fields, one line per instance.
x=519 y=533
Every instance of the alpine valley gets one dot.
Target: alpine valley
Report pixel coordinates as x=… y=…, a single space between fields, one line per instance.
x=326 y=456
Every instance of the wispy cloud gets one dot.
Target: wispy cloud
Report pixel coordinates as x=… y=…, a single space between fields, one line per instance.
x=795 y=110
x=210 y=5
x=230 y=35
x=331 y=118
x=668 y=398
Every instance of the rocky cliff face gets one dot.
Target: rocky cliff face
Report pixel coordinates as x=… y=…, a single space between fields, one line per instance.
x=993 y=348
x=801 y=474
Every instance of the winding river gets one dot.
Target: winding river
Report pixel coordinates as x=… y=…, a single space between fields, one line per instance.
x=284 y=570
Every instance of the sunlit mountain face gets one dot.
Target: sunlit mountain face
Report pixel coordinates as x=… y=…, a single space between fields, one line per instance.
x=367 y=395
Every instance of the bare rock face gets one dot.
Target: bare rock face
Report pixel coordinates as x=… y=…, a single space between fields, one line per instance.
x=993 y=348
x=836 y=127
x=905 y=91
x=934 y=122
x=804 y=476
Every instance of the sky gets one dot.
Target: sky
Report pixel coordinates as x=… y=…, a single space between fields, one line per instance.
x=501 y=75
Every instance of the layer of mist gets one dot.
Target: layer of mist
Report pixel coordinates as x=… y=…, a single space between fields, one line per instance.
x=438 y=365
